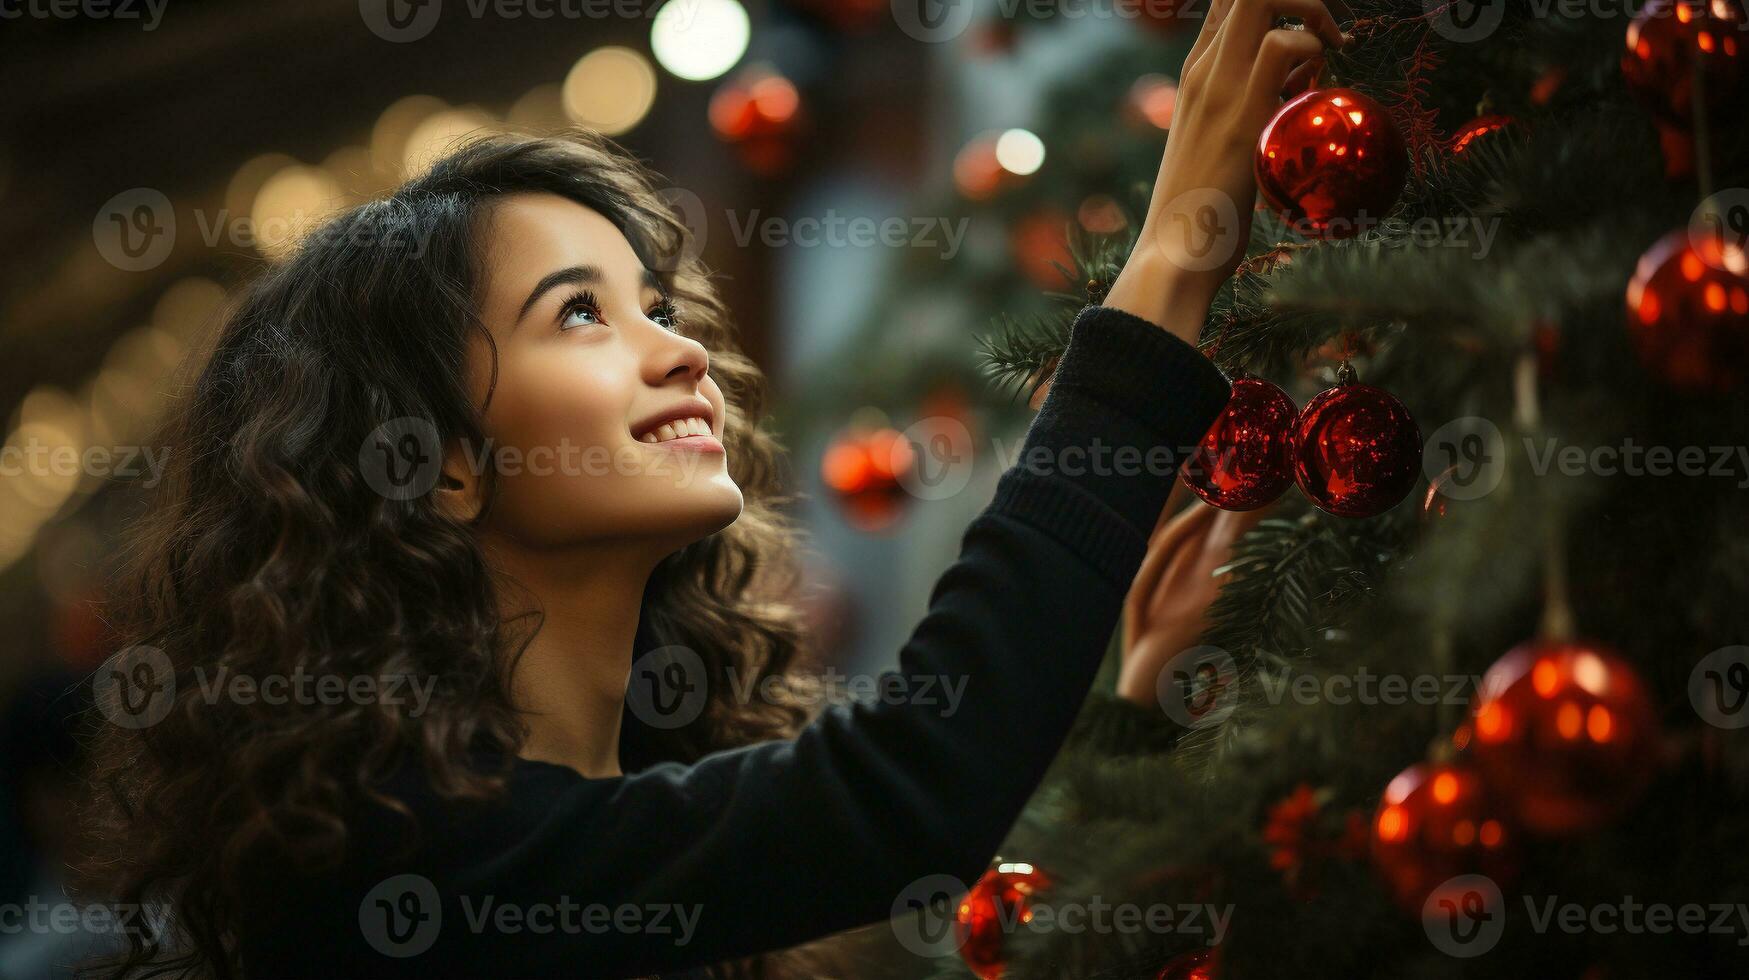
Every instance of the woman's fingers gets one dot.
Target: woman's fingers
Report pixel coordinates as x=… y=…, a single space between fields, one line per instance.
x=1302 y=78
x=1252 y=21
x=1283 y=52
x=1160 y=545
x=1229 y=527
x=1167 y=541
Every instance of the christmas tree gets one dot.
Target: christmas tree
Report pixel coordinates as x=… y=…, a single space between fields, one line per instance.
x=1471 y=700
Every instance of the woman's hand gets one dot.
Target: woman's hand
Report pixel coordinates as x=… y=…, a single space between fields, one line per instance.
x=1199 y=218
x=1166 y=610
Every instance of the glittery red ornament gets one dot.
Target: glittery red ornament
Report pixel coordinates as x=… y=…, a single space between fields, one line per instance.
x=1198 y=964
x=1564 y=734
x=1331 y=163
x=1688 y=311
x=1357 y=451
x=992 y=910
x=1667 y=38
x=1246 y=458
x=1436 y=822
x=865 y=471
x=1476 y=129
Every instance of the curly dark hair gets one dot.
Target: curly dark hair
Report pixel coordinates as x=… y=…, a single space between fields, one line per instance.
x=266 y=552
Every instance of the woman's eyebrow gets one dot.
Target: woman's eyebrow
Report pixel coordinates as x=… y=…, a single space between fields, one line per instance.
x=576 y=275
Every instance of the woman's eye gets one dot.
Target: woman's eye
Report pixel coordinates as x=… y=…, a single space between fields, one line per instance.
x=580 y=312
x=665 y=316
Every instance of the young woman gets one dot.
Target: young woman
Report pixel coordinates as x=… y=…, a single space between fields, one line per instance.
x=479 y=800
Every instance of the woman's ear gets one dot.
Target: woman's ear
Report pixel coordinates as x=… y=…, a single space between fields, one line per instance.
x=459 y=482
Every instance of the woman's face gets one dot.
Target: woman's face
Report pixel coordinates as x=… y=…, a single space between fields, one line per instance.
x=605 y=422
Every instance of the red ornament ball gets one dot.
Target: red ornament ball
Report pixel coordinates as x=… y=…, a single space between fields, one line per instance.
x=1246 y=458
x=1435 y=822
x=1565 y=735
x=1688 y=311
x=1357 y=451
x=993 y=909
x=758 y=113
x=1477 y=129
x=1331 y=163
x=1666 y=40
x=1198 y=964
x=865 y=471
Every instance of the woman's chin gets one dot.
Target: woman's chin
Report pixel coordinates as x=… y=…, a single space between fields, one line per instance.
x=707 y=508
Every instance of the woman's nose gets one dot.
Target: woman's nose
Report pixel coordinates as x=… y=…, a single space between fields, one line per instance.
x=677 y=356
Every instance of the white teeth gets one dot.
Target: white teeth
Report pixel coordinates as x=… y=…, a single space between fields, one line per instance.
x=677 y=429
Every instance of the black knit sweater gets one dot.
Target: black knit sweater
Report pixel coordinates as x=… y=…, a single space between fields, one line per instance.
x=771 y=845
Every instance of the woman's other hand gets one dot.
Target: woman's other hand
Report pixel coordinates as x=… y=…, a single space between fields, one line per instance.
x=1166 y=611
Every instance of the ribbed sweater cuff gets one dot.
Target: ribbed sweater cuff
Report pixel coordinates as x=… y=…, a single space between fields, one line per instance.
x=1127 y=402
x=1145 y=372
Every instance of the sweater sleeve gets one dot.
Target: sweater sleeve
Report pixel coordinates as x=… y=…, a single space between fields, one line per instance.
x=775 y=844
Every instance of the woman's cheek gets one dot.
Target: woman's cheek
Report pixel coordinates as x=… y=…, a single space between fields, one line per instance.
x=556 y=423
x=565 y=401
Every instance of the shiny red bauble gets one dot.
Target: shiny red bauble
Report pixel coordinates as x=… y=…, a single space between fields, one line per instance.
x=1245 y=460
x=1688 y=312
x=991 y=911
x=1666 y=40
x=1357 y=451
x=1564 y=734
x=1331 y=163
x=1436 y=822
x=865 y=470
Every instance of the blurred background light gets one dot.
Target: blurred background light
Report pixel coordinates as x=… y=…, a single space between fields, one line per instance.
x=609 y=89
x=1020 y=152
x=699 y=39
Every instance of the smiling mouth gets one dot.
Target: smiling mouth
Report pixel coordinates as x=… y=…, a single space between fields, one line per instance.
x=679 y=429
